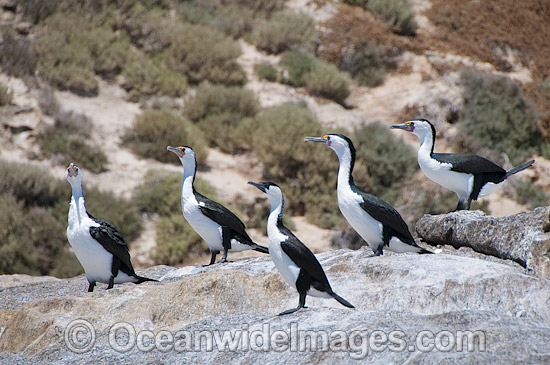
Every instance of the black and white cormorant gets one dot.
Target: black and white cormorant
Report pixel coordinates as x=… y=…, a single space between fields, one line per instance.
x=377 y=222
x=217 y=225
x=98 y=245
x=296 y=263
x=469 y=176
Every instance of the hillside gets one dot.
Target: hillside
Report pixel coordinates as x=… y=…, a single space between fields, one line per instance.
x=108 y=91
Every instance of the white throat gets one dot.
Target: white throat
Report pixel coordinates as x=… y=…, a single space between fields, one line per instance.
x=276 y=211
x=77 y=209
x=344 y=168
x=189 y=168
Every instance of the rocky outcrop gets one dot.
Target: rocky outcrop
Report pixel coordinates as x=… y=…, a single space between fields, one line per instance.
x=522 y=237
x=409 y=308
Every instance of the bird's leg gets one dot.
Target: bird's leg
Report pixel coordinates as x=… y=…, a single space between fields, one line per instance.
x=469 y=202
x=115 y=266
x=213 y=258
x=111 y=282
x=226 y=243
x=91 y=286
x=379 y=250
x=302 y=304
x=460 y=205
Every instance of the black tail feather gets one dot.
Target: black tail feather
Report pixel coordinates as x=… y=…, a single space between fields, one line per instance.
x=141 y=279
x=423 y=251
x=341 y=300
x=261 y=249
x=519 y=168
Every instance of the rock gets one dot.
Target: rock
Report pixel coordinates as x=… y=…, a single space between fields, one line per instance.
x=521 y=237
x=409 y=308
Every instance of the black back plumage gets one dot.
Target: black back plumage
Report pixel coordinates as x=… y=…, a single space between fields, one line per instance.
x=302 y=256
x=113 y=241
x=467 y=163
x=223 y=216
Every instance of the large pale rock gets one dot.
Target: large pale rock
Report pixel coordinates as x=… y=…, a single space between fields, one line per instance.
x=399 y=295
x=522 y=237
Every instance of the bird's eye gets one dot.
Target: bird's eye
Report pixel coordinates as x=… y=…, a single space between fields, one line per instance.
x=327 y=137
x=181 y=148
x=76 y=167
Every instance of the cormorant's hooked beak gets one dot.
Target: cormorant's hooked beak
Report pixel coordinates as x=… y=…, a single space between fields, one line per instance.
x=180 y=151
x=315 y=139
x=72 y=170
x=258 y=185
x=407 y=126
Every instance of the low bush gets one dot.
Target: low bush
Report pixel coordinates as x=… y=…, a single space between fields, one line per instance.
x=233 y=20
x=144 y=78
x=366 y=64
x=397 y=13
x=296 y=65
x=529 y=194
x=17 y=56
x=37 y=10
x=205 y=54
x=496 y=113
x=149 y=28
x=327 y=81
x=66 y=140
x=286 y=31
x=72 y=50
x=266 y=71
x=153 y=130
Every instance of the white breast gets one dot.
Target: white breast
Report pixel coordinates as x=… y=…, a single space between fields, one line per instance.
x=366 y=226
x=210 y=231
x=287 y=268
x=441 y=173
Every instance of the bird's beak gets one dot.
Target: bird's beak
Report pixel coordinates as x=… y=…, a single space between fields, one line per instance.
x=315 y=139
x=258 y=185
x=176 y=150
x=407 y=126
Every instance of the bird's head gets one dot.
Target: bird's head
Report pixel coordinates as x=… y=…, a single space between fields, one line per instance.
x=272 y=190
x=74 y=175
x=418 y=127
x=183 y=152
x=338 y=142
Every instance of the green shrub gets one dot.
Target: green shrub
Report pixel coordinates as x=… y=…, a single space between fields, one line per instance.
x=529 y=194
x=175 y=239
x=17 y=55
x=216 y=99
x=326 y=80
x=73 y=49
x=266 y=71
x=144 y=78
x=496 y=113
x=67 y=140
x=296 y=65
x=233 y=20
x=397 y=13
x=37 y=10
x=545 y=88
x=205 y=54
x=286 y=31
x=153 y=130
x=6 y=95
x=262 y=7
x=148 y=27
x=366 y=64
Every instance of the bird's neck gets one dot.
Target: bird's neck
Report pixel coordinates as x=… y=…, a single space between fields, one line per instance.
x=275 y=219
x=427 y=142
x=187 y=189
x=346 y=161
x=77 y=209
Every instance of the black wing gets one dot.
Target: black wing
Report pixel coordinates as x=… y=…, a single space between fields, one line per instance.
x=112 y=240
x=385 y=213
x=302 y=256
x=468 y=163
x=221 y=215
